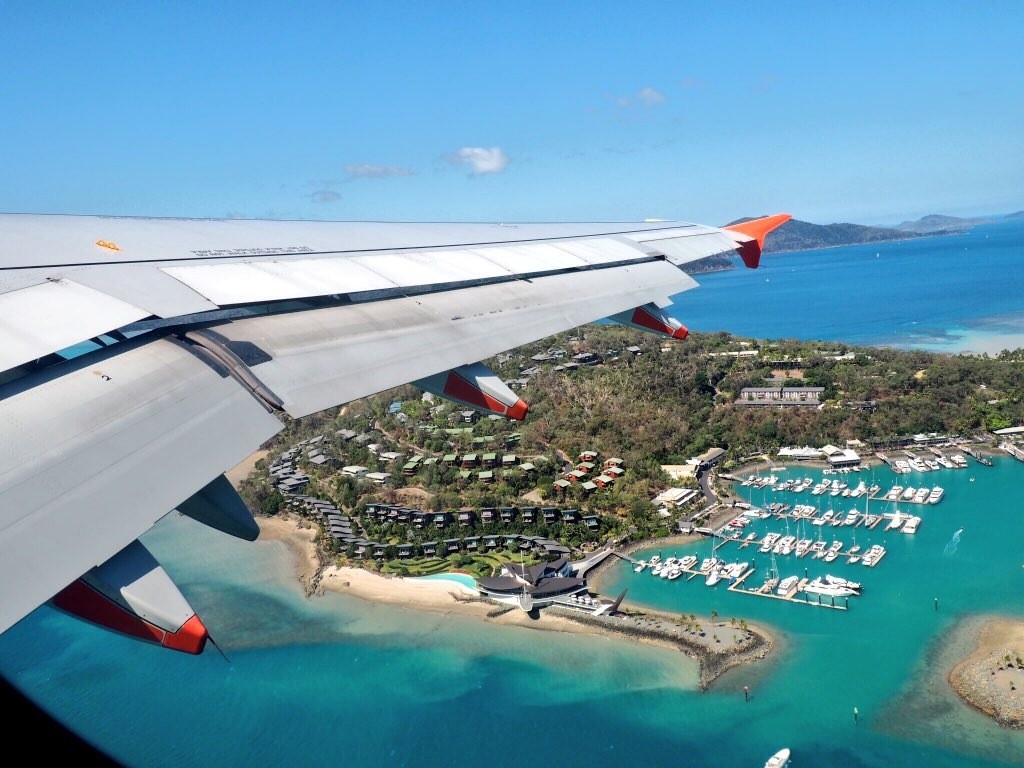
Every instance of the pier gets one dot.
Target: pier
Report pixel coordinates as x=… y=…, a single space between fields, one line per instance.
x=790 y=597
x=1013 y=450
x=976 y=455
x=794 y=595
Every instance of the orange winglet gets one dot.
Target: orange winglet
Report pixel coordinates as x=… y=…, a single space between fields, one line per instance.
x=750 y=250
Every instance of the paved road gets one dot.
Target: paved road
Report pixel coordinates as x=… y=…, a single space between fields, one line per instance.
x=582 y=566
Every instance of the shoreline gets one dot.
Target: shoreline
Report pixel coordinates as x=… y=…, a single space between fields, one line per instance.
x=716 y=649
x=990 y=678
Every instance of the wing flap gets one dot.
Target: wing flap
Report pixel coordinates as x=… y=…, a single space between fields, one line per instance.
x=686 y=244
x=41 y=319
x=97 y=454
x=324 y=357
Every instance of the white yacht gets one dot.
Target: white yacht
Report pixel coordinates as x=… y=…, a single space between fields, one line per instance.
x=873 y=555
x=786 y=585
x=821 y=587
x=911 y=525
x=738 y=569
x=935 y=496
x=841 y=582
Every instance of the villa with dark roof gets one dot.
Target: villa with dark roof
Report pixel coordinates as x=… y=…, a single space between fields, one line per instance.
x=544 y=584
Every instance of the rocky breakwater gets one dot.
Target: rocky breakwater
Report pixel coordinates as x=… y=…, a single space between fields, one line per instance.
x=991 y=679
x=717 y=647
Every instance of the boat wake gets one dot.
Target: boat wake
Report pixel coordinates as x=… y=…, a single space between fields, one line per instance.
x=952 y=545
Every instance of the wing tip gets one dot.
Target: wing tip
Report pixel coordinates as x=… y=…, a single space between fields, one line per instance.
x=756 y=230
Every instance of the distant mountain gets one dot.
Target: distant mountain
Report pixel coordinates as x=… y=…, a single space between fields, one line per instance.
x=937 y=223
x=796 y=235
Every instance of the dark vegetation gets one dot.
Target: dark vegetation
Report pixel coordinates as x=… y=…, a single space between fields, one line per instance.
x=670 y=402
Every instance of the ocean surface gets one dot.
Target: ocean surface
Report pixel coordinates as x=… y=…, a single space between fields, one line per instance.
x=954 y=293
x=338 y=681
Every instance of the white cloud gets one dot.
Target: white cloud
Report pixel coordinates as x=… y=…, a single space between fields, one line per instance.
x=649 y=97
x=371 y=171
x=480 y=159
x=645 y=97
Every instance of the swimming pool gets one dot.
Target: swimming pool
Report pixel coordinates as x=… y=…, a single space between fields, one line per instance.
x=462 y=578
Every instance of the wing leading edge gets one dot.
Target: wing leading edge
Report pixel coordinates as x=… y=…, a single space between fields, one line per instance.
x=205 y=331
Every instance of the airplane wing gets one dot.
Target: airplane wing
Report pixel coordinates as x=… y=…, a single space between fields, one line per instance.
x=142 y=358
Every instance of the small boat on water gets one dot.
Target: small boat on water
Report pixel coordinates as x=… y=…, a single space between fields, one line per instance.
x=779 y=759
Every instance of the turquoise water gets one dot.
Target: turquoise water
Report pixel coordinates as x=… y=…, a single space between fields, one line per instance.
x=461 y=578
x=335 y=680
x=880 y=648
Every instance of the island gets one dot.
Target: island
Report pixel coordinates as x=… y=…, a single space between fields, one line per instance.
x=616 y=457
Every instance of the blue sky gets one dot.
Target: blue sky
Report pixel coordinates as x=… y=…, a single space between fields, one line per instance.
x=513 y=111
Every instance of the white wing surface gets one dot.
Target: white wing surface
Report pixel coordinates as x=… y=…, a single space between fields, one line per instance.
x=188 y=337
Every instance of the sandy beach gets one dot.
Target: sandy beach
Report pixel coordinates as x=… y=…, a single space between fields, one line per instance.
x=717 y=647
x=991 y=678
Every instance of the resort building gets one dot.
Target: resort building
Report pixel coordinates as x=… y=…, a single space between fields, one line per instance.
x=781 y=396
x=799 y=454
x=544 y=584
x=841 y=457
x=675 y=497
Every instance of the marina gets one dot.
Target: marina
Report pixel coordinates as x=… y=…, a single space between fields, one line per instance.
x=822 y=532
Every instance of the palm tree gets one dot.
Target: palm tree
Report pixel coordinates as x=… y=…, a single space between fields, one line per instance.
x=714 y=615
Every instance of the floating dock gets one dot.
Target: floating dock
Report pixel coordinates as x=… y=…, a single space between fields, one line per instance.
x=795 y=595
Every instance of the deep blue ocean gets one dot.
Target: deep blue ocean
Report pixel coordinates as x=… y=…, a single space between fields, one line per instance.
x=952 y=293
x=337 y=681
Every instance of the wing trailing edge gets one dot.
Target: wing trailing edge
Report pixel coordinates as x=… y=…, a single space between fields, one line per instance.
x=476 y=386
x=131 y=594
